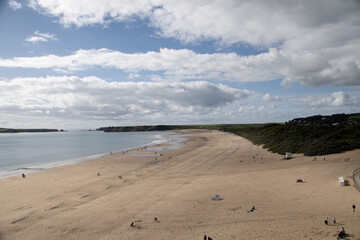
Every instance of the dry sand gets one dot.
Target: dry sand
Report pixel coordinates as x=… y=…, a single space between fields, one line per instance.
x=72 y=202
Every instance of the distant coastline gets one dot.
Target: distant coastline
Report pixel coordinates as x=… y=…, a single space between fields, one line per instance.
x=13 y=130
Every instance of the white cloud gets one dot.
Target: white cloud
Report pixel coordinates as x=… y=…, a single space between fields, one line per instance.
x=82 y=13
x=40 y=37
x=133 y=75
x=14 y=5
x=336 y=99
x=268 y=97
x=312 y=42
x=229 y=21
x=180 y=64
x=95 y=99
x=75 y=102
x=312 y=69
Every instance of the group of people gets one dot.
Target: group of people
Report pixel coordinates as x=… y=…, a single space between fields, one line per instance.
x=327 y=221
x=341 y=233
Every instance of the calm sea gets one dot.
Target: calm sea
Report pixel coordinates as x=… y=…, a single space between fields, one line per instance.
x=29 y=152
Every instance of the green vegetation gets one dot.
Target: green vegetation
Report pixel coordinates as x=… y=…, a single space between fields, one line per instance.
x=335 y=119
x=12 y=130
x=175 y=127
x=309 y=140
x=314 y=135
x=142 y=128
x=355 y=116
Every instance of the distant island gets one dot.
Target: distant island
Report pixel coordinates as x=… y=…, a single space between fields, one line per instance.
x=314 y=135
x=13 y=130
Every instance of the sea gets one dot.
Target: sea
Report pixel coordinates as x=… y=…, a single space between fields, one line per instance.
x=32 y=152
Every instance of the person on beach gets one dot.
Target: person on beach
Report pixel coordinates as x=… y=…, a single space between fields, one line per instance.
x=334 y=220
x=252 y=209
x=354 y=207
x=23 y=175
x=132 y=224
x=326 y=221
x=156 y=220
x=341 y=234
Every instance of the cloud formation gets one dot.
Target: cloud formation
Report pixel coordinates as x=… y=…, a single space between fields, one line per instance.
x=310 y=69
x=312 y=43
x=315 y=43
x=72 y=101
x=336 y=99
x=175 y=64
x=14 y=5
x=93 y=98
x=40 y=37
x=268 y=97
x=229 y=21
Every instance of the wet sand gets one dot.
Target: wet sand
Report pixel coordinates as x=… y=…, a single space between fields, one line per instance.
x=73 y=202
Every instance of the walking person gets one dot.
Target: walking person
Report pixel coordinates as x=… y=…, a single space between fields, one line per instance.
x=334 y=220
x=326 y=221
x=354 y=207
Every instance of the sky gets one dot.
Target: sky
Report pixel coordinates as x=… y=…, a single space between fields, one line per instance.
x=86 y=64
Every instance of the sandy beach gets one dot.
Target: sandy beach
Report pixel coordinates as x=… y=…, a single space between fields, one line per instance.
x=177 y=187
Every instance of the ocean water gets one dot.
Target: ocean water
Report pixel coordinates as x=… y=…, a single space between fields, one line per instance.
x=29 y=152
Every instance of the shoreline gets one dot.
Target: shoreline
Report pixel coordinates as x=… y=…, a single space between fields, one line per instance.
x=165 y=137
x=73 y=202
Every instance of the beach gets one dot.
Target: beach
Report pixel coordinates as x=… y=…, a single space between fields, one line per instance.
x=101 y=198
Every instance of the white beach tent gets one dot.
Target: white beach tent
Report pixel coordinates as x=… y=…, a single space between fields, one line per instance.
x=341 y=181
x=288 y=155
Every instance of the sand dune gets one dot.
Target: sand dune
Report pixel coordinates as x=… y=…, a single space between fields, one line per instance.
x=72 y=202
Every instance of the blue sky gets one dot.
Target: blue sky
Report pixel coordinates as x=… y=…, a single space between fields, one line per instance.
x=87 y=64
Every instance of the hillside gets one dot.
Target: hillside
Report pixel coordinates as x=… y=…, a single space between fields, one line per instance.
x=335 y=119
x=314 y=135
x=310 y=140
